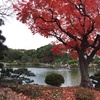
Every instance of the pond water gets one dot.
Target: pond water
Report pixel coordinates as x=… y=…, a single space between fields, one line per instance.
x=72 y=77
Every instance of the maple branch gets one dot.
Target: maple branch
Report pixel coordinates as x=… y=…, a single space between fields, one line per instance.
x=44 y=19
x=90 y=57
x=52 y=18
x=59 y=25
x=59 y=38
x=95 y=41
x=47 y=30
x=82 y=24
x=95 y=48
x=91 y=28
x=80 y=8
x=67 y=33
x=51 y=13
x=84 y=43
x=74 y=27
x=83 y=1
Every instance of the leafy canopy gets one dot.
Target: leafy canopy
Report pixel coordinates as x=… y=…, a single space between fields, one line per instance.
x=75 y=23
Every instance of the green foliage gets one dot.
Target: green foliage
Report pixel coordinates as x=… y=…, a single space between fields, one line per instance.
x=2 y=40
x=61 y=58
x=1 y=65
x=72 y=62
x=19 y=74
x=54 y=79
x=24 y=71
x=6 y=72
x=35 y=62
x=97 y=62
x=84 y=94
x=34 y=57
x=96 y=79
x=44 y=54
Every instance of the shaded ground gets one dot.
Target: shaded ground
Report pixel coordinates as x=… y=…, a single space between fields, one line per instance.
x=8 y=94
x=40 y=92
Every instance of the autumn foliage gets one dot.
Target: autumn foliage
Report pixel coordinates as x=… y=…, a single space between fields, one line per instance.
x=41 y=92
x=74 y=23
x=68 y=21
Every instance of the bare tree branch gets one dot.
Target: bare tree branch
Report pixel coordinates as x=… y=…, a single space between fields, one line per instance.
x=6 y=8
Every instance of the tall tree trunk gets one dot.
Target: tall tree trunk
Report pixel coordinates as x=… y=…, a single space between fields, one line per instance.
x=83 y=65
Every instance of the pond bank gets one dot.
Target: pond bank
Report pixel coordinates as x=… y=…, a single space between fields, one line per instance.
x=46 y=65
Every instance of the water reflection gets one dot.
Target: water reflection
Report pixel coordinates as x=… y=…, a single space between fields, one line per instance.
x=72 y=77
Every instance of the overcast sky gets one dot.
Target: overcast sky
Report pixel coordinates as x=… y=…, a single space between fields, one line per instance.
x=18 y=36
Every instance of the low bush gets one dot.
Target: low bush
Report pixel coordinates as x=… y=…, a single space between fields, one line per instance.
x=84 y=94
x=96 y=79
x=1 y=65
x=54 y=79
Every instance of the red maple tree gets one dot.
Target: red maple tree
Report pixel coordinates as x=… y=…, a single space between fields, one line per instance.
x=74 y=23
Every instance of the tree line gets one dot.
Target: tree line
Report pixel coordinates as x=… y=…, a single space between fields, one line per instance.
x=40 y=55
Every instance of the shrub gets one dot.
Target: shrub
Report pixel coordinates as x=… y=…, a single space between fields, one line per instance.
x=54 y=79
x=1 y=65
x=96 y=79
x=84 y=94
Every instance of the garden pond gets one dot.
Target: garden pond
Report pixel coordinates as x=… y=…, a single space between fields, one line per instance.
x=72 y=76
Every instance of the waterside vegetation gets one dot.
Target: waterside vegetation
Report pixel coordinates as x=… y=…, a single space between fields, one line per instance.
x=41 y=57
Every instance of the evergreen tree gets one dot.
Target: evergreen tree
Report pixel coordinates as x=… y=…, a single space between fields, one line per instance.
x=2 y=40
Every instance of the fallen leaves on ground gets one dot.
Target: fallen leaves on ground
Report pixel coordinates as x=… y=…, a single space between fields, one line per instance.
x=40 y=92
x=12 y=95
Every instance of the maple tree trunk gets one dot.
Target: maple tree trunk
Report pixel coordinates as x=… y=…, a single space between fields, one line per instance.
x=85 y=80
